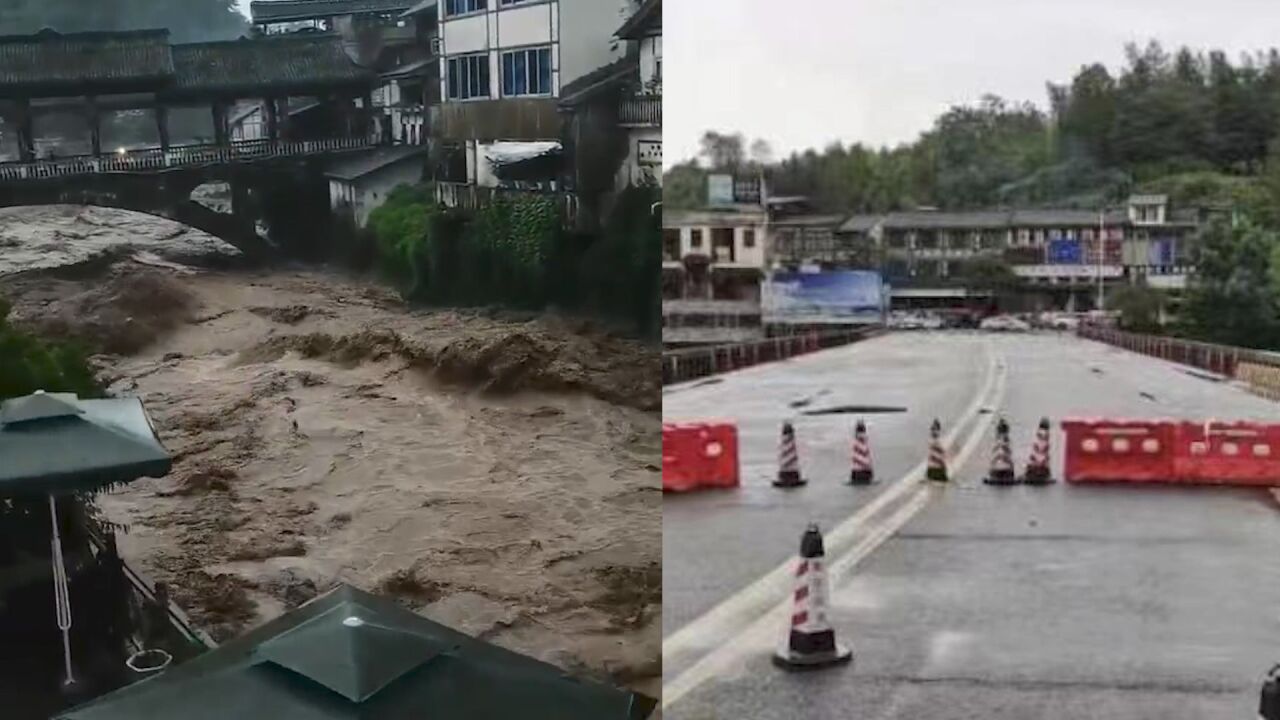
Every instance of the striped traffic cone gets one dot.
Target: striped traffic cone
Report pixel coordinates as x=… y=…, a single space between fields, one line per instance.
x=862 y=473
x=811 y=642
x=937 y=456
x=788 y=460
x=1001 y=458
x=1038 y=472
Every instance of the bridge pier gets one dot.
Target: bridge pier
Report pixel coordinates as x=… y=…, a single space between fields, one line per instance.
x=26 y=131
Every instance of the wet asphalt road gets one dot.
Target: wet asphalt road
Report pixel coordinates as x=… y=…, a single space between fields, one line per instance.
x=1059 y=602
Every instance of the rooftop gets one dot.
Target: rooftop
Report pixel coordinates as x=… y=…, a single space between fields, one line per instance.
x=927 y=219
x=357 y=166
x=290 y=62
x=747 y=214
x=276 y=11
x=647 y=20
x=50 y=60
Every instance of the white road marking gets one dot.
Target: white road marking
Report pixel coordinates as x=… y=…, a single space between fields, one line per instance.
x=743 y=621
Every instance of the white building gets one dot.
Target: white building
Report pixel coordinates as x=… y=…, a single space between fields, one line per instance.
x=504 y=62
x=641 y=112
x=359 y=184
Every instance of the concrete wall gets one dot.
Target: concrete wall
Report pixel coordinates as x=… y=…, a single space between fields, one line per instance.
x=743 y=255
x=650 y=56
x=644 y=158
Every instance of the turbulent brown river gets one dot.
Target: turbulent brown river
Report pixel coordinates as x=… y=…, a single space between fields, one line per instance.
x=498 y=474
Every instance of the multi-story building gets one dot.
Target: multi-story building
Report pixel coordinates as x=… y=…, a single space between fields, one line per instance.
x=503 y=64
x=713 y=261
x=640 y=108
x=1060 y=254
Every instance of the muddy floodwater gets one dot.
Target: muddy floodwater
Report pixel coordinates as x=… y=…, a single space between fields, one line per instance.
x=498 y=474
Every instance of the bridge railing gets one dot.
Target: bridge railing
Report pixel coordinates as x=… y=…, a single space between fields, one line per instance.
x=177 y=156
x=1259 y=368
x=692 y=363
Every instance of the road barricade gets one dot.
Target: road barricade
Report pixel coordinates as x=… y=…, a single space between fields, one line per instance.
x=699 y=455
x=1118 y=450
x=1235 y=453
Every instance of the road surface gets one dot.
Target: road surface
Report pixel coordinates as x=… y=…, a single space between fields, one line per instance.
x=968 y=601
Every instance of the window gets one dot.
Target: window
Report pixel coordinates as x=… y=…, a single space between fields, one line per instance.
x=748 y=238
x=695 y=238
x=505 y=3
x=469 y=77
x=526 y=72
x=462 y=7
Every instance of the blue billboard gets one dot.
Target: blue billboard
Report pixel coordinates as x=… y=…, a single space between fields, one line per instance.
x=1065 y=252
x=835 y=296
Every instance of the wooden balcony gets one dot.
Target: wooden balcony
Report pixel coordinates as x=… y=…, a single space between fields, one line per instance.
x=640 y=111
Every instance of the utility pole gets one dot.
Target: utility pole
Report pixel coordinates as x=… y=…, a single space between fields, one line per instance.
x=1102 y=247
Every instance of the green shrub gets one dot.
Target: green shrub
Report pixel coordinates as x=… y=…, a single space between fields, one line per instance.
x=28 y=364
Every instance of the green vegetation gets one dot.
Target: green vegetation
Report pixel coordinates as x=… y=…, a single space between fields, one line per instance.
x=28 y=364
x=515 y=252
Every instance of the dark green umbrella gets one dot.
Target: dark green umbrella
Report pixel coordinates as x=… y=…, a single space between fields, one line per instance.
x=349 y=654
x=57 y=444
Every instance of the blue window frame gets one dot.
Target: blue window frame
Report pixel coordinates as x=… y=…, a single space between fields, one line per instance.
x=462 y=7
x=526 y=72
x=468 y=77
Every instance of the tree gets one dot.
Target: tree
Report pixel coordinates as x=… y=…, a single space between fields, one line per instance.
x=722 y=151
x=1139 y=307
x=1233 y=299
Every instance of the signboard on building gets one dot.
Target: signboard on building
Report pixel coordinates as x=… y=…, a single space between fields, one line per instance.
x=1068 y=272
x=726 y=189
x=719 y=189
x=835 y=297
x=649 y=152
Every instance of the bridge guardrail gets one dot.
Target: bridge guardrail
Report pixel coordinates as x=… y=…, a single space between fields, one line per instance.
x=177 y=156
x=692 y=363
x=1259 y=368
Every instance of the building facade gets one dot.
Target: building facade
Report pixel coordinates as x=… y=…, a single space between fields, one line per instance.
x=1059 y=254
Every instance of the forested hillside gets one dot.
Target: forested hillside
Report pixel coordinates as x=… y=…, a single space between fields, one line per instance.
x=1197 y=125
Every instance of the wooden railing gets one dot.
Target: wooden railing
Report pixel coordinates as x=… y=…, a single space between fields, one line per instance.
x=641 y=110
x=178 y=156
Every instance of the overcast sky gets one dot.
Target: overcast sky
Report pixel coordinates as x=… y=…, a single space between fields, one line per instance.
x=804 y=74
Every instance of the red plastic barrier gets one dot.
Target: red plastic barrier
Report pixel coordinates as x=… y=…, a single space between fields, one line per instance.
x=1118 y=450
x=1235 y=453
x=699 y=455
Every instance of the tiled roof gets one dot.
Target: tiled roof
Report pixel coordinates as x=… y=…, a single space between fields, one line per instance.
x=1064 y=218
x=421 y=7
x=925 y=219
x=290 y=10
x=358 y=166
x=860 y=223
x=276 y=63
x=50 y=59
x=809 y=220
x=614 y=75
x=646 y=19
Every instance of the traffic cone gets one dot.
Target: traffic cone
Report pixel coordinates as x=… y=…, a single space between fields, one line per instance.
x=811 y=642
x=862 y=473
x=1038 y=472
x=937 y=456
x=788 y=460
x=1001 y=458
